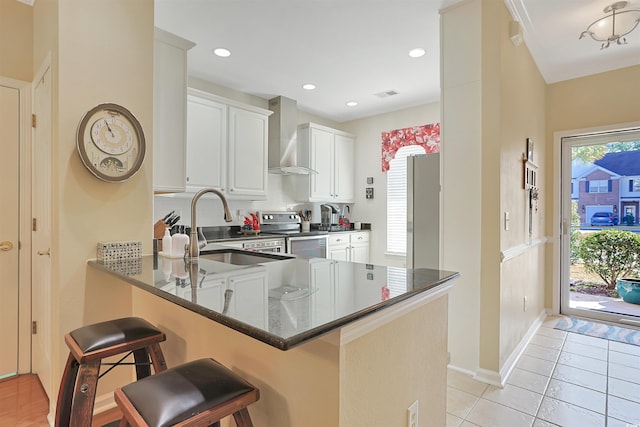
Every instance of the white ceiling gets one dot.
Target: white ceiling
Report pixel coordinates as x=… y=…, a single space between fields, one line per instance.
x=353 y=49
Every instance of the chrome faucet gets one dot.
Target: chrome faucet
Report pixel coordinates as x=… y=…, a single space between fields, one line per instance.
x=193 y=252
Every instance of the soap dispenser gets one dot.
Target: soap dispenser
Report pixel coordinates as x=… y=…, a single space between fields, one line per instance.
x=166 y=242
x=179 y=241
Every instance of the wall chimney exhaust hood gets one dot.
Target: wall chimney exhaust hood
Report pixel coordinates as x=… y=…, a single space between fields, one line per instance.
x=283 y=133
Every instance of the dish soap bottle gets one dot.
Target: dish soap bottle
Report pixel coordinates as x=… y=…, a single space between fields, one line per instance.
x=179 y=242
x=166 y=242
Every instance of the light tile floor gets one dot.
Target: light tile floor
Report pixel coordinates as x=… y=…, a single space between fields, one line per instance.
x=562 y=379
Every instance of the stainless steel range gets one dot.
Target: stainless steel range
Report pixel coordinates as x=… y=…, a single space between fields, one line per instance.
x=312 y=244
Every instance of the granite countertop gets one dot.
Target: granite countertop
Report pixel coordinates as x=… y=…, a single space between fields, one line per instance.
x=282 y=301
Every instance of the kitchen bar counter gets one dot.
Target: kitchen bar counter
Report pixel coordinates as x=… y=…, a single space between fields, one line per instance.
x=283 y=303
x=363 y=342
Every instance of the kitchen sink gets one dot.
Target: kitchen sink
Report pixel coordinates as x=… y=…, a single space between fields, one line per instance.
x=239 y=257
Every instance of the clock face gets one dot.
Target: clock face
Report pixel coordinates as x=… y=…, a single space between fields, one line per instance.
x=111 y=143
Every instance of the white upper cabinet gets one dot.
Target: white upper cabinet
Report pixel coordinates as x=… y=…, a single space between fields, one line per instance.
x=169 y=111
x=227 y=146
x=329 y=152
x=207 y=143
x=343 y=170
x=248 y=153
x=321 y=160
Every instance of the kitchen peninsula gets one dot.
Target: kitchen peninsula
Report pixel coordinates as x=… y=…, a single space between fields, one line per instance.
x=328 y=343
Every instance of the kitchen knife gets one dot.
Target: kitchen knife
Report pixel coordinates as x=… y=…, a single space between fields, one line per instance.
x=166 y=217
x=173 y=221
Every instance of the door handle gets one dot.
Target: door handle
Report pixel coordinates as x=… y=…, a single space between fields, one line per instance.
x=6 y=246
x=47 y=252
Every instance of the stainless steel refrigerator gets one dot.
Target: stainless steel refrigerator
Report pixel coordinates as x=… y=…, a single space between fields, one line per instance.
x=423 y=211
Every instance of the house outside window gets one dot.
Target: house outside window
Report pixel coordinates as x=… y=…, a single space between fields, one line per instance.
x=634 y=185
x=599 y=186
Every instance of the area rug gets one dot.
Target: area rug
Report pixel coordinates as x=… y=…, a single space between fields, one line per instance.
x=599 y=330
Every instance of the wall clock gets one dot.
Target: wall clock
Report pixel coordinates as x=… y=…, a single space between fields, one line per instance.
x=111 y=142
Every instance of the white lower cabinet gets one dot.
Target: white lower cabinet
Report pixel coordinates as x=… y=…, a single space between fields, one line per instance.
x=249 y=301
x=349 y=246
x=333 y=286
x=321 y=283
x=226 y=146
x=210 y=294
x=246 y=295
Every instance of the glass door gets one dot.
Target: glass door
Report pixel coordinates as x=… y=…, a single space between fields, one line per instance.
x=601 y=232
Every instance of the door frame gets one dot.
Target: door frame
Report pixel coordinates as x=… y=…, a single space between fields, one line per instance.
x=24 y=232
x=43 y=290
x=561 y=224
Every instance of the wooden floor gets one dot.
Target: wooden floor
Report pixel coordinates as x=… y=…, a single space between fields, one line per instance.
x=23 y=403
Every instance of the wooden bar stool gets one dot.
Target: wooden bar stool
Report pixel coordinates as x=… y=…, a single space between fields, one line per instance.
x=198 y=393
x=87 y=347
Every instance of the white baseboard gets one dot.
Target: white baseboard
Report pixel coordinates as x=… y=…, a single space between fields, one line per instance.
x=461 y=370
x=489 y=377
x=513 y=358
x=499 y=379
x=104 y=403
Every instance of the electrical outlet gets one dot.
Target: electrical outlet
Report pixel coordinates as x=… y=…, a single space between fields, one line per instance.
x=412 y=415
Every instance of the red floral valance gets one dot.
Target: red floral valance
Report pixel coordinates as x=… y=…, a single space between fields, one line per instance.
x=427 y=136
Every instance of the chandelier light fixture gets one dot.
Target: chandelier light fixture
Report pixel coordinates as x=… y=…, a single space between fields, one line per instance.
x=613 y=27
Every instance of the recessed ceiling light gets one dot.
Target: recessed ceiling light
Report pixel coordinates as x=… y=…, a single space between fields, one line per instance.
x=222 y=52
x=417 y=52
x=308 y=86
x=352 y=104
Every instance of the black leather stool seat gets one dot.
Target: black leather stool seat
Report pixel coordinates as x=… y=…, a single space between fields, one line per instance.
x=195 y=390
x=88 y=346
x=113 y=333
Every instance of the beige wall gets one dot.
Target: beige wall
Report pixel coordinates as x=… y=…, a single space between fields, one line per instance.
x=521 y=274
x=599 y=101
x=493 y=99
x=16 y=40
x=94 y=61
x=368 y=163
x=322 y=383
x=462 y=183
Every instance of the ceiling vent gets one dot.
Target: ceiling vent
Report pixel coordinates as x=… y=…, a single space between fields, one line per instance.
x=386 y=93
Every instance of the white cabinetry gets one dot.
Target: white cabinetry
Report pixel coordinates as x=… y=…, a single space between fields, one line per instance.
x=349 y=246
x=169 y=111
x=329 y=152
x=321 y=281
x=249 y=301
x=333 y=285
x=226 y=146
x=248 y=153
x=206 y=143
x=246 y=294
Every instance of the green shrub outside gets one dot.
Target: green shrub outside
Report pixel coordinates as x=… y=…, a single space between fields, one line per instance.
x=629 y=220
x=611 y=254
